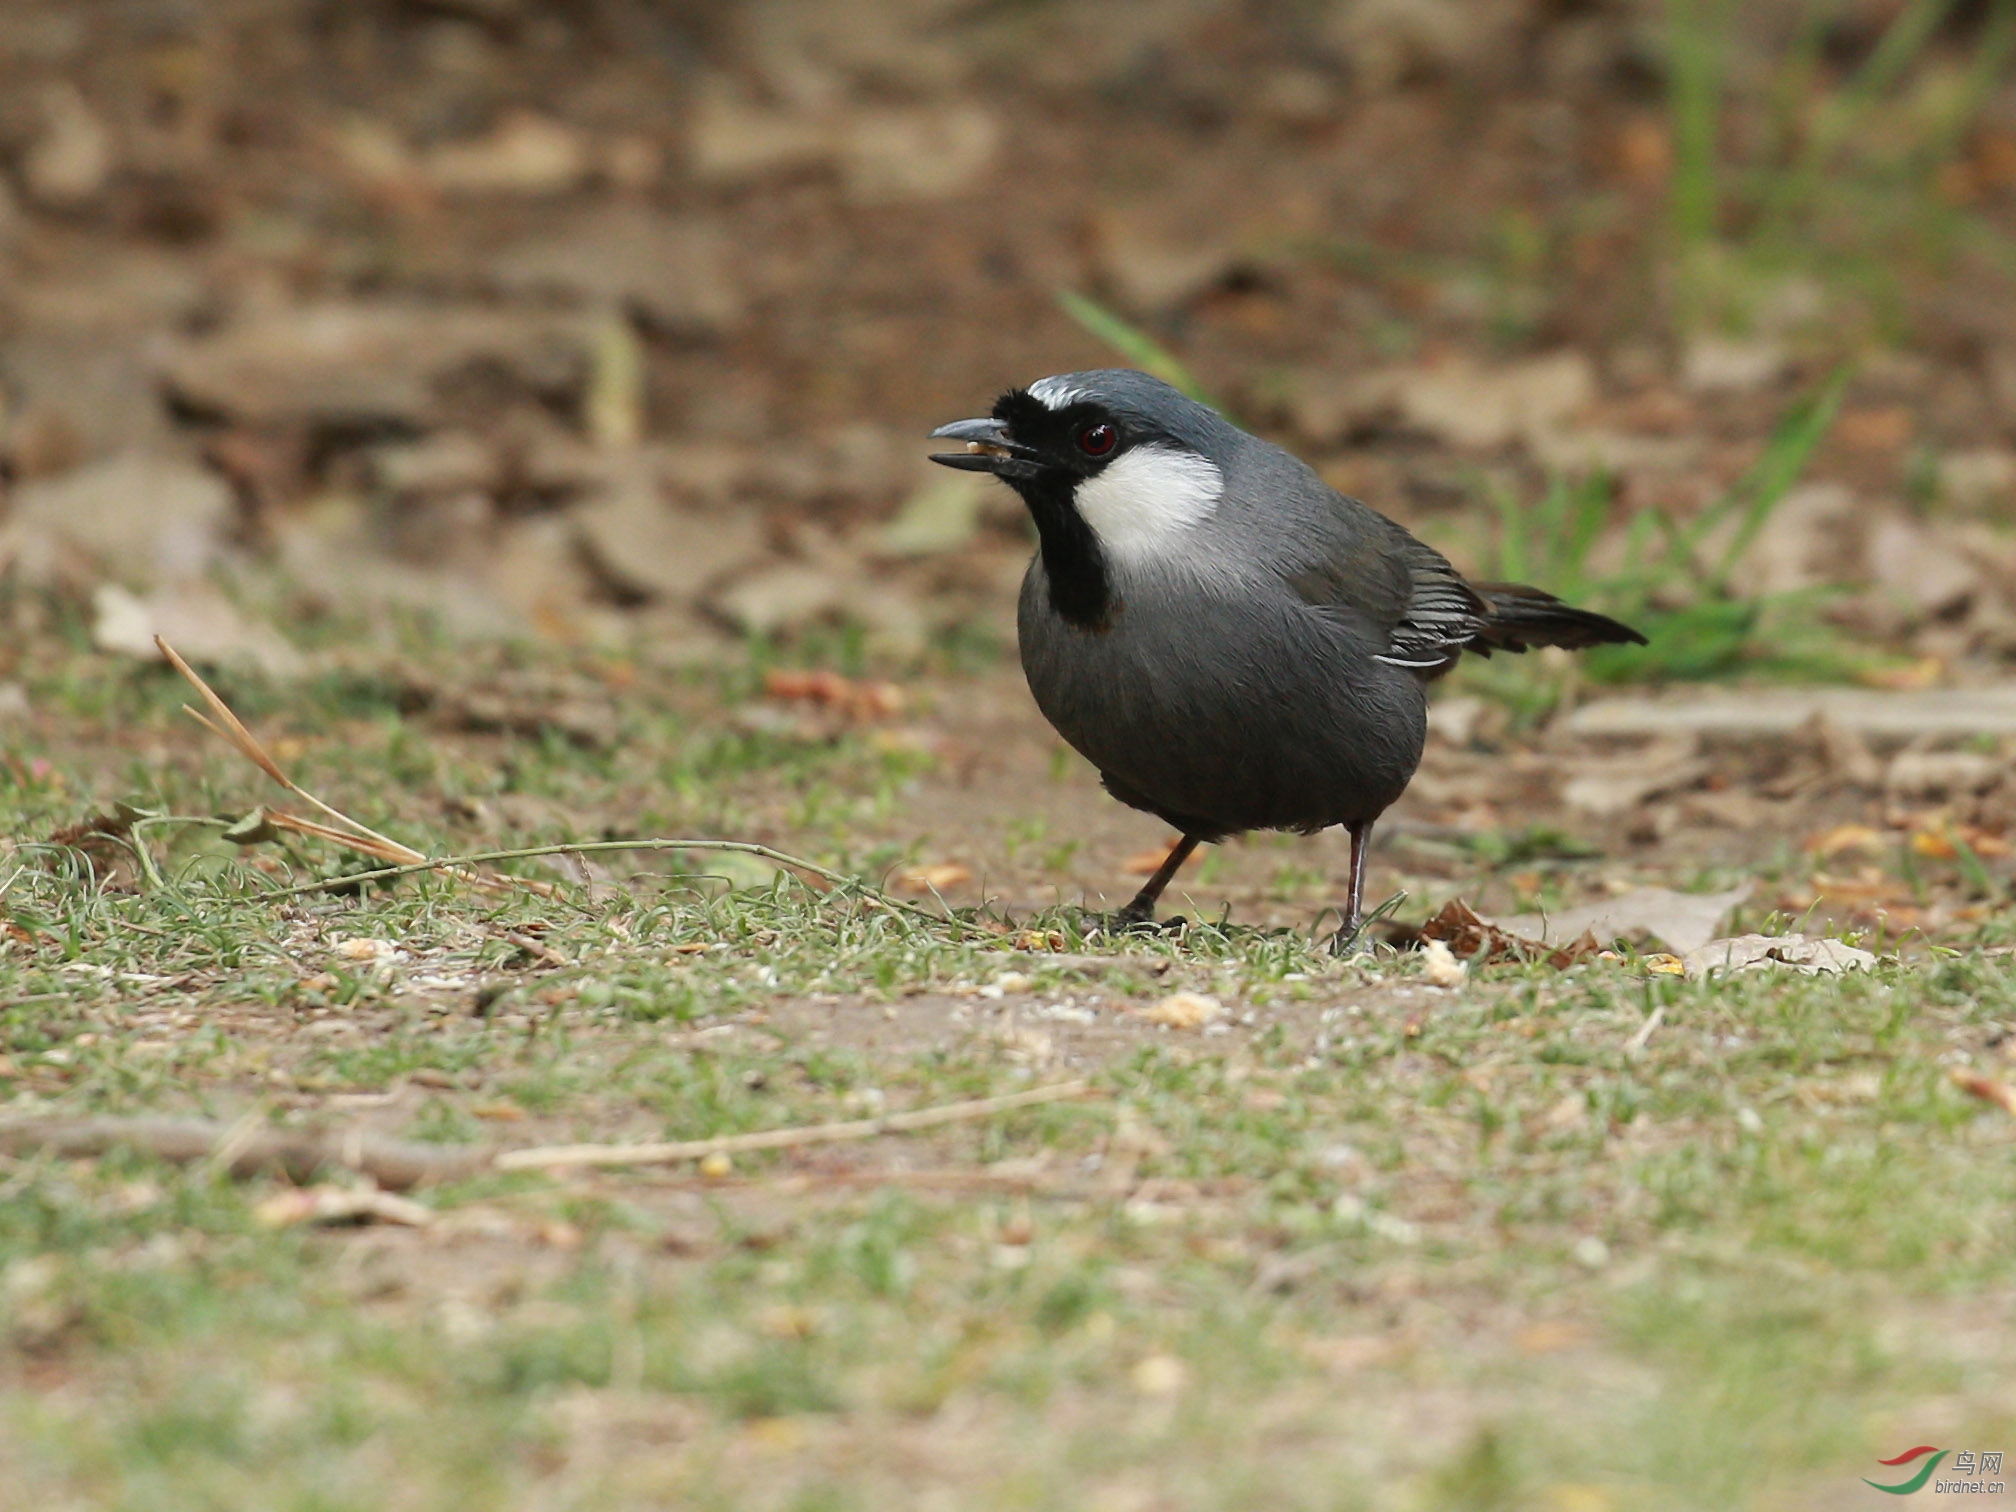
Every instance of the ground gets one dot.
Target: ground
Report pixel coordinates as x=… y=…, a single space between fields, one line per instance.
x=1358 y=1241
x=515 y=409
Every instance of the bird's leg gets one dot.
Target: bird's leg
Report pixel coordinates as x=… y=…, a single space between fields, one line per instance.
x=1354 y=904
x=1142 y=909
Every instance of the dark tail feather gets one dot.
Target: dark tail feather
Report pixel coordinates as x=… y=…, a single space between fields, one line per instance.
x=1519 y=617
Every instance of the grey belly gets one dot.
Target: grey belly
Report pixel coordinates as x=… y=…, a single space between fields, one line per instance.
x=1229 y=716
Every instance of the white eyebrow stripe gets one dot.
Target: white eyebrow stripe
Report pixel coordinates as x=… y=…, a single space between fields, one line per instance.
x=1056 y=393
x=1143 y=502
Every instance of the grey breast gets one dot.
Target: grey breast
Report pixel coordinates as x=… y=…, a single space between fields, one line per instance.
x=1228 y=698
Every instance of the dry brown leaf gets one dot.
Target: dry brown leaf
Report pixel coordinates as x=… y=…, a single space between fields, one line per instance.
x=1844 y=837
x=1480 y=942
x=1880 y=428
x=1926 y=672
x=850 y=697
x=937 y=877
x=104 y=841
x=1147 y=863
x=1986 y=1088
x=1871 y=885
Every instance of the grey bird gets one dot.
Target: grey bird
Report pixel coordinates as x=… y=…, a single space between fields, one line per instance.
x=1233 y=644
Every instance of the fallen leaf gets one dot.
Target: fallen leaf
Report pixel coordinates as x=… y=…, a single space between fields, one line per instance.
x=1183 y=1010
x=1987 y=844
x=525 y=153
x=195 y=616
x=69 y=161
x=1880 y=428
x=1810 y=954
x=1680 y=921
x=853 y=698
x=1720 y=365
x=1147 y=863
x=366 y=364
x=939 y=877
x=677 y=273
x=1940 y=774
x=1662 y=964
x=1986 y=1088
x=1480 y=941
x=140 y=517
x=1871 y=885
x=1485 y=407
x=1919 y=565
x=1617 y=785
x=1844 y=837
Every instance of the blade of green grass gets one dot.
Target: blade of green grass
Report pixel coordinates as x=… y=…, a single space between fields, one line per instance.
x=1759 y=492
x=1698 y=39
x=1132 y=343
x=1986 y=72
x=1845 y=112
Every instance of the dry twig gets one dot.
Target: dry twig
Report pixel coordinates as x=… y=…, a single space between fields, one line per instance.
x=402 y=860
x=228 y=727
x=603 y=847
x=563 y=1157
x=243 y=1148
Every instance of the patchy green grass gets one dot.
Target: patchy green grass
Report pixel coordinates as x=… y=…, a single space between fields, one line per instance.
x=1363 y=1243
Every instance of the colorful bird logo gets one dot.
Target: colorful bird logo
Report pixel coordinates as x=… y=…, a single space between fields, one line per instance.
x=1917 y=1482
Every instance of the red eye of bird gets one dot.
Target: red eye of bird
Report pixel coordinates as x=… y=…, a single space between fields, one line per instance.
x=1097 y=440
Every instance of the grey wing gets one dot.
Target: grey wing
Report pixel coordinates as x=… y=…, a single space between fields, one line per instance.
x=1442 y=616
x=1407 y=598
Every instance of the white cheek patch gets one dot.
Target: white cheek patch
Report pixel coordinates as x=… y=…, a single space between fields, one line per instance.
x=1145 y=501
x=1056 y=393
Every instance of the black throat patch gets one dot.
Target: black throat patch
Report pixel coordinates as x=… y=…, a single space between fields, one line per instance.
x=1081 y=587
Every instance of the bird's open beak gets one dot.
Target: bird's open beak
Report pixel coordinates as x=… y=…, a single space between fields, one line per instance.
x=988 y=449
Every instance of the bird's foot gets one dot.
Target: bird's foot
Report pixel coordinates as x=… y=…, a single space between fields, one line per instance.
x=1127 y=922
x=1352 y=932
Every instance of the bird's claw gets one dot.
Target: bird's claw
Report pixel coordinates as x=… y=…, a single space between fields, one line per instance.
x=1125 y=923
x=1349 y=934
